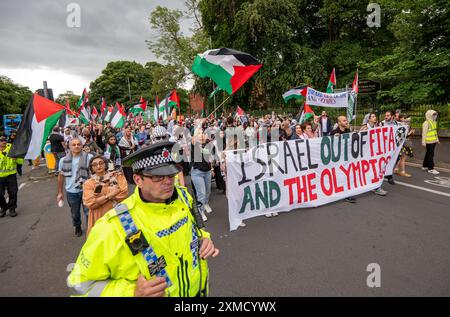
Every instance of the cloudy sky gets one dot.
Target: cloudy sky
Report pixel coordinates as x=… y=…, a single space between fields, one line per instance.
x=37 y=44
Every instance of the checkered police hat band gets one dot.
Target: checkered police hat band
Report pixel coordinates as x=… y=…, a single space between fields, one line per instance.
x=152 y=161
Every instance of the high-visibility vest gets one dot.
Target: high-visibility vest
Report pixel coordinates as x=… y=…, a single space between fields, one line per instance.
x=106 y=265
x=8 y=166
x=432 y=131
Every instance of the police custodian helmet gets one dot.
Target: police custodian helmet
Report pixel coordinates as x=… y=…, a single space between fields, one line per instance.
x=155 y=159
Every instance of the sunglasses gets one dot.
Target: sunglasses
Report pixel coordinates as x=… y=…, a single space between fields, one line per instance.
x=157 y=178
x=160 y=137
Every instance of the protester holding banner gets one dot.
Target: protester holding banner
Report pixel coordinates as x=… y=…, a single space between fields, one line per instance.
x=389 y=121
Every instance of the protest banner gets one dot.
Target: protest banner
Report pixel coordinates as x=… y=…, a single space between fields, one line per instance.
x=317 y=98
x=281 y=176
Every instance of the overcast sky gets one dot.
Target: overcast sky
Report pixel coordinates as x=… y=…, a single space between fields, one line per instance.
x=37 y=44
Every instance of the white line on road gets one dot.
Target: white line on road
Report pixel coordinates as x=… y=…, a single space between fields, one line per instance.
x=422 y=188
x=21 y=186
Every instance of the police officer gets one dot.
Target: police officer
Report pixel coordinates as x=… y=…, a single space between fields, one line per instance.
x=8 y=179
x=150 y=244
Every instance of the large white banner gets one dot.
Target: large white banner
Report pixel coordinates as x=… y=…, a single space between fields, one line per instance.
x=281 y=176
x=317 y=98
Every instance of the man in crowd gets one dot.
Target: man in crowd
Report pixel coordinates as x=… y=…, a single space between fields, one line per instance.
x=57 y=145
x=325 y=123
x=9 y=167
x=389 y=121
x=73 y=172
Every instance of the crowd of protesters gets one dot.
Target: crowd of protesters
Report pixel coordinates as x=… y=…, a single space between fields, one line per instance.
x=89 y=156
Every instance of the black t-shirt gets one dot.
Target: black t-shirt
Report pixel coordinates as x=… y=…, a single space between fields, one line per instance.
x=204 y=165
x=55 y=143
x=338 y=131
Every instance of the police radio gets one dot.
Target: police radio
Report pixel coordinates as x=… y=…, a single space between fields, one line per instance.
x=196 y=213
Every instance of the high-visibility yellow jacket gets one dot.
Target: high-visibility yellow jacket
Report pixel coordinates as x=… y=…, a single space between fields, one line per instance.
x=107 y=267
x=8 y=166
x=429 y=128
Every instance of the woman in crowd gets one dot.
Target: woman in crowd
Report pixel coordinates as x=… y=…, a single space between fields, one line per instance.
x=298 y=133
x=103 y=190
x=407 y=150
x=307 y=131
x=201 y=171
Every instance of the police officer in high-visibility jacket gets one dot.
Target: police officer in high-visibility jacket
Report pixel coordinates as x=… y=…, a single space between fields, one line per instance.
x=149 y=245
x=9 y=167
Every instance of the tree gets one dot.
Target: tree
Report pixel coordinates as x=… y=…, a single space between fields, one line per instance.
x=13 y=97
x=417 y=68
x=113 y=83
x=68 y=95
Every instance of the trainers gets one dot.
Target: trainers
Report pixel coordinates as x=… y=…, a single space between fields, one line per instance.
x=380 y=191
x=424 y=168
x=204 y=218
x=242 y=224
x=275 y=214
x=351 y=199
x=2 y=212
x=78 y=231
x=433 y=171
x=12 y=213
x=391 y=181
x=208 y=208
x=268 y=215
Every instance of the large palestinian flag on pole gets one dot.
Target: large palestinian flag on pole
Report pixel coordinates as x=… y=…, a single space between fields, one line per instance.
x=295 y=93
x=38 y=121
x=228 y=68
x=118 y=116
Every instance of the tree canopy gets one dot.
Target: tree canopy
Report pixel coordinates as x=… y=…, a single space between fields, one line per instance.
x=13 y=97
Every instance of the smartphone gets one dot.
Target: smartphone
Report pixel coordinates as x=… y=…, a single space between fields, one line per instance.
x=98 y=189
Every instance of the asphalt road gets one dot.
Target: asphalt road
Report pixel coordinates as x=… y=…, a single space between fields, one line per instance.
x=320 y=251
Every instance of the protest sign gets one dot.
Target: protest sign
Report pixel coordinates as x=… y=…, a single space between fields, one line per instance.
x=317 y=98
x=281 y=176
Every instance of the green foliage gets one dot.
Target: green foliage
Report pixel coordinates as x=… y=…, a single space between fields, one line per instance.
x=113 y=83
x=69 y=95
x=13 y=97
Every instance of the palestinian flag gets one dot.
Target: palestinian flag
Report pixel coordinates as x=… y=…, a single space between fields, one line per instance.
x=352 y=99
x=82 y=99
x=331 y=83
x=118 y=116
x=94 y=114
x=171 y=100
x=228 y=68
x=103 y=107
x=38 y=121
x=139 y=108
x=295 y=93
x=85 y=116
x=106 y=117
x=307 y=113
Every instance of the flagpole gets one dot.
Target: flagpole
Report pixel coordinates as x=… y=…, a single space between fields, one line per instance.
x=220 y=105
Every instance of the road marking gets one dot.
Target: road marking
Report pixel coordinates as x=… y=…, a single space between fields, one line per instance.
x=21 y=186
x=422 y=188
x=439 y=181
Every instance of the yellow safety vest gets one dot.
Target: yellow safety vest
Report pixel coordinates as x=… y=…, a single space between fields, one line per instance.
x=432 y=131
x=8 y=166
x=107 y=267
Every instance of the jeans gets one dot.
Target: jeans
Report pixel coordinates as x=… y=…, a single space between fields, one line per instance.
x=428 y=160
x=10 y=183
x=58 y=157
x=202 y=184
x=75 y=201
